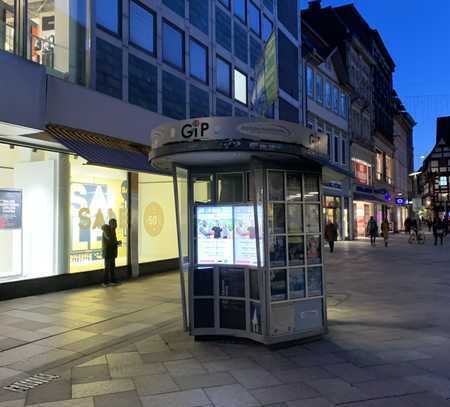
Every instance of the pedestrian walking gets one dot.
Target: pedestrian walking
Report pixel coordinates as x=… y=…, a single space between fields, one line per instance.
x=438 y=230
x=110 y=246
x=429 y=224
x=408 y=225
x=372 y=230
x=445 y=224
x=385 y=231
x=331 y=234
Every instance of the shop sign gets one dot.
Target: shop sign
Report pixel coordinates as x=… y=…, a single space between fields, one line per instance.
x=10 y=209
x=236 y=129
x=401 y=201
x=387 y=197
x=153 y=219
x=333 y=184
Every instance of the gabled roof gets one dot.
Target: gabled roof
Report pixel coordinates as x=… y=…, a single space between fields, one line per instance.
x=379 y=41
x=443 y=129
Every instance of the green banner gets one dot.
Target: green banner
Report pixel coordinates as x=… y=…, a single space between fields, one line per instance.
x=270 y=70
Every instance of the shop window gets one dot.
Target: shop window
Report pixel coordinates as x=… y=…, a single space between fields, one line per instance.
x=173 y=46
x=254 y=17
x=56 y=33
x=230 y=187
x=198 y=61
x=7 y=25
x=108 y=14
x=97 y=194
x=267 y=28
x=157 y=228
x=223 y=76
x=240 y=10
x=311 y=188
x=142 y=27
x=240 y=86
x=29 y=213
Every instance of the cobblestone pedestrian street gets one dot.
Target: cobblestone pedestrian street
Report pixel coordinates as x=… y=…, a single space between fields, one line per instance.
x=388 y=343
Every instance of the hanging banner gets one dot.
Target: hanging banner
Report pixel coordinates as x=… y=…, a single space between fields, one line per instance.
x=10 y=209
x=265 y=90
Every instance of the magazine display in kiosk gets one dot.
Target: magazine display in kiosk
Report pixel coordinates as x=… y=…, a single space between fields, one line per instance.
x=226 y=235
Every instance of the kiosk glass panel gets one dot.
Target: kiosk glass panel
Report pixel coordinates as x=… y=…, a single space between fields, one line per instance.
x=230 y=187
x=313 y=250
x=294 y=187
x=277 y=251
x=312 y=218
x=278 y=285
x=296 y=283
x=232 y=282
x=315 y=281
x=296 y=250
x=276 y=186
x=255 y=318
x=311 y=188
x=254 y=285
x=277 y=218
x=202 y=188
x=295 y=218
x=232 y=314
x=203 y=281
x=203 y=313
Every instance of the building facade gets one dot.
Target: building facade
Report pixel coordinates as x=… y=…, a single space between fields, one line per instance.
x=403 y=164
x=434 y=178
x=327 y=98
x=83 y=83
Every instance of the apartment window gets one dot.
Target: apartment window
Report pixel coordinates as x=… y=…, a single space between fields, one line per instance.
x=142 y=27
x=198 y=60
x=336 y=149
x=240 y=86
x=223 y=76
x=343 y=152
x=310 y=81
x=443 y=181
x=240 y=9
x=335 y=99
x=267 y=28
x=343 y=105
x=173 y=46
x=108 y=14
x=319 y=89
x=328 y=96
x=379 y=165
x=226 y=3
x=254 y=16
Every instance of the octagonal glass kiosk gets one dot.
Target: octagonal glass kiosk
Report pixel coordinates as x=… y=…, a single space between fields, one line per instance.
x=249 y=226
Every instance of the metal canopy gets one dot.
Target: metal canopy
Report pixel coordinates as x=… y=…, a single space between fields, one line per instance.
x=101 y=150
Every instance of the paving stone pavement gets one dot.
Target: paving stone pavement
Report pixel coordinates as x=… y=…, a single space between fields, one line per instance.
x=388 y=343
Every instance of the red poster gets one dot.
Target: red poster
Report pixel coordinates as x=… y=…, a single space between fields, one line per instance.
x=361 y=173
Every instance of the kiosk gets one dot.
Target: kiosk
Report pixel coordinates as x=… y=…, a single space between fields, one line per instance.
x=248 y=206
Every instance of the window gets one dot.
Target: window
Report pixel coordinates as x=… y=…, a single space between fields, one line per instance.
x=443 y=181
x=254 y=16
x=230 y=187
x=319 y=89
x=223 y=76
x=142 y=27
x=240 y=9
x=328 y=96
x=343 y=105
x=198 y=60
x=226 y=3
x=173 y=46
x=310 y=81
x=344 y=152
x=336 y=149
x=108 y=14
x=7 y=25
x=240 y=87
x=379 y=165
x=335 y=99
x=267 y=28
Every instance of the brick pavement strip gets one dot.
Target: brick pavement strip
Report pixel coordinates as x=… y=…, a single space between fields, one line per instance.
x=383 y=350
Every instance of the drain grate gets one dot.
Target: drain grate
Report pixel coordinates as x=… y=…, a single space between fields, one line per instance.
x=31 y=382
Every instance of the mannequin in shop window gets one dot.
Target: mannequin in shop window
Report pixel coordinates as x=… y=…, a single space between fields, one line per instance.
x=110 y=246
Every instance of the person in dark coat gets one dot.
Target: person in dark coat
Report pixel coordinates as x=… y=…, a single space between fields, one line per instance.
x=331 y=234
x=109 y=248
x=408 y=225
x=438 y=230
x=372 y=230
x=445 y=223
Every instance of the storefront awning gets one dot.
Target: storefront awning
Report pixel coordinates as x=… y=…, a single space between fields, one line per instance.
x=358 y=196
x=101 y=150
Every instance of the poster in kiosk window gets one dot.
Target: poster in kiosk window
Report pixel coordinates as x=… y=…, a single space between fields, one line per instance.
x=10 y=209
